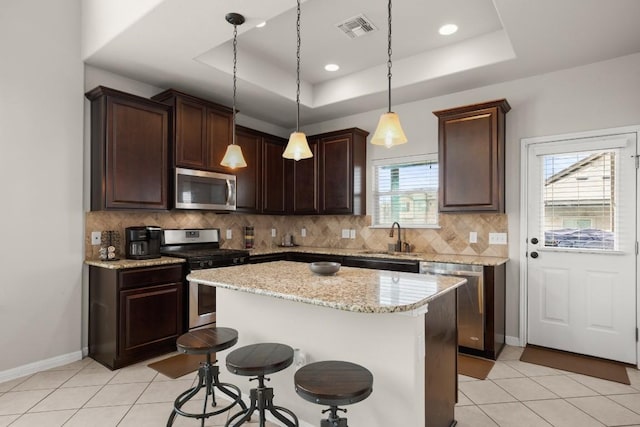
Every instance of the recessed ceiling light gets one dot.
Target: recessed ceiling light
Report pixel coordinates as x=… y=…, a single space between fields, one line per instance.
x=448 y=29
x=261 y=24
x=332 y=67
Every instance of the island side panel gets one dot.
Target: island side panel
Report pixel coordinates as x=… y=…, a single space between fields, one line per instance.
x=389 y=345
x=441 y=361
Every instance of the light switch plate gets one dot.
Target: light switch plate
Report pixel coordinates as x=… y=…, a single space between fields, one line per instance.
x=497 y=238
x=96 y=237
x=303 y=232
x=345 y=233
x=273 y=232
x=229 y=234
x=473 y=237
x=352 y=233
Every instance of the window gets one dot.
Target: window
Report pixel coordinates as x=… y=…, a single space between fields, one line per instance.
x=406 y=190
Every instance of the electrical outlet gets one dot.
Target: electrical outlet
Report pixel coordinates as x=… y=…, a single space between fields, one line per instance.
x=473 y=237
x=229 y=234
x=303 y=232
x=345 y=233
x=273 y=232
x=352 y=233
x=96 y=237
x=497 y=238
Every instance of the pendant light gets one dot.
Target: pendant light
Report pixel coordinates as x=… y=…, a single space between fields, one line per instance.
x=233 y=157
x=297 y=147
x=389 y=131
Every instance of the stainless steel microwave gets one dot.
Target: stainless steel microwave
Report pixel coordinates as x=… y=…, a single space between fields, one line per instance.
x=196 y=189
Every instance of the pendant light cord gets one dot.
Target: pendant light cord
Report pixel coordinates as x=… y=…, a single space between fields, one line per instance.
x=298 y=71
x=235 y=54
x=389 y=54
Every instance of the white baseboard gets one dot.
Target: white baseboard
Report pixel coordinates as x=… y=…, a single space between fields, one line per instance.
x=41 y=365
x=513 y=341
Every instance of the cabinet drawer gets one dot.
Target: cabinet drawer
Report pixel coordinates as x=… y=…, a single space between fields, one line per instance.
x=150 y=276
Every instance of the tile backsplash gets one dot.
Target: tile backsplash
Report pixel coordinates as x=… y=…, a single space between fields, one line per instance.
x=321 y=230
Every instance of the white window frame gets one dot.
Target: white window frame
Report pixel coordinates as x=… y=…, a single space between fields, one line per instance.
x=399 y=161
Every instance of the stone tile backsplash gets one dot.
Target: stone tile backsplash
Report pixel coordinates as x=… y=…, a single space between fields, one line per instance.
x=321 y=230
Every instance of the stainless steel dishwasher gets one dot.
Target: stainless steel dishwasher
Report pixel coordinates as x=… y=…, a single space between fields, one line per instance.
x=471 y=313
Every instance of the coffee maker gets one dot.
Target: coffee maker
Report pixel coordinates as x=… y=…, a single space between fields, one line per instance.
x=143 y=242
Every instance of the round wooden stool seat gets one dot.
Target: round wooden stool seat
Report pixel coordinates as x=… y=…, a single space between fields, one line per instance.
x=210 y=340
x=260 y=359
x=333 y=383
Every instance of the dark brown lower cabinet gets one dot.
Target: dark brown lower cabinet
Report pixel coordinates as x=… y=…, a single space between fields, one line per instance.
x=441 y=361
x=134 y=314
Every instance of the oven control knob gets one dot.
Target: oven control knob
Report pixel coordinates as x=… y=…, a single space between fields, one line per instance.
x=201 y=263
x=210 y=263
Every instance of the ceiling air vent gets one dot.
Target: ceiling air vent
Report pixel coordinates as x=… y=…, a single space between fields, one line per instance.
x=356 y=26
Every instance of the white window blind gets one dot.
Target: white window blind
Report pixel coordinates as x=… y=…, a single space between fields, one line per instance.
x=579 y=194
x=406 y=191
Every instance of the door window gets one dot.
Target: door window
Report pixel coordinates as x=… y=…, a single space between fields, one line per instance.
x=579 y=200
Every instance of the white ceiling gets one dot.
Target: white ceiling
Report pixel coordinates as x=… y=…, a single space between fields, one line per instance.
x=186 y=44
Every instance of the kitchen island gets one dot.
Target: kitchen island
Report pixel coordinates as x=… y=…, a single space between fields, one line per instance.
x=400 y=326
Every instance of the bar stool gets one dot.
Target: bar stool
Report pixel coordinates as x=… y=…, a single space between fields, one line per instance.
x=333 y=383
x=259 y=360
x=207 y=341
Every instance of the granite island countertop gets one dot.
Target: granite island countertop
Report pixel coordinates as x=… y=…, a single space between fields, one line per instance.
x=350 y=289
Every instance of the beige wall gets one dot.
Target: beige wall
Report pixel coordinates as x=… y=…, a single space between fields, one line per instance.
x=41 y=250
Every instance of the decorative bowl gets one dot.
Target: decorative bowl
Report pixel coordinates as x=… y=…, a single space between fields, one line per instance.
x=324 y=268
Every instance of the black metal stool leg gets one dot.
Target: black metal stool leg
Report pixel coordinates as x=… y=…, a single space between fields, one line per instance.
x=262 y=401
x=208 y=379
x=334 y=420
x=245 y=415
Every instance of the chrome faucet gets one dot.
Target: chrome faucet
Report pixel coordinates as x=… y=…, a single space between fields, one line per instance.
x=399 y=242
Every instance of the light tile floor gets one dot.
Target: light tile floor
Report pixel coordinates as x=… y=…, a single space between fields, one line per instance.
x=516 y=394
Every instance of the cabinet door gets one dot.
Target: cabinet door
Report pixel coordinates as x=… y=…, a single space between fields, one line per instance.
x=336 y=195
x=304 y=182
x=471 y=158
x=136 y=156
x=248 y=179
x=273 y=176
x=150 y=317
x=190 y=134
x=219 y=127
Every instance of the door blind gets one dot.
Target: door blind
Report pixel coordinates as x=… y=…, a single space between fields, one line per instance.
x=579 y=200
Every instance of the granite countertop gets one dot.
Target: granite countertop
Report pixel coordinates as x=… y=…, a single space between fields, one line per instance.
x=134 y=263
x=368 y=253
x=351 y=289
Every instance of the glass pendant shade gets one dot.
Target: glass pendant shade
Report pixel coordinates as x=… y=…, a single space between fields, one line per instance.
x=389 y=131
x=297 y=147
x=233 y=157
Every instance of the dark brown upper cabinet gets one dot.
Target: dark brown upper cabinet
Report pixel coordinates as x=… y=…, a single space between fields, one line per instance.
x=471 y=157
x=343 y=157
x=303 y=182
x=273 y=176
x=201 y=131
x=248 y=180
x=129 y=151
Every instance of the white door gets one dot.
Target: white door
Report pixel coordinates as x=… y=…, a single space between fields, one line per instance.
x=581 y=246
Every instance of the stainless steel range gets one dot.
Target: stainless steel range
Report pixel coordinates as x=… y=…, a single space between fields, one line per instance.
x=201 y=249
